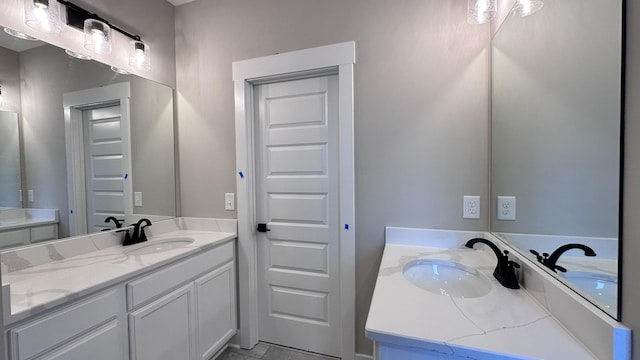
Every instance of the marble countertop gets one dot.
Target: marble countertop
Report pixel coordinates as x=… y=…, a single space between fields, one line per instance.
x=504 y=324
x=34 y=289
x=25 y=222
x=12 y=219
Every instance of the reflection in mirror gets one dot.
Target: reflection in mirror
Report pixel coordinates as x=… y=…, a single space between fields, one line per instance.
x=116 y=161
x=556 y=123
x=10 y=190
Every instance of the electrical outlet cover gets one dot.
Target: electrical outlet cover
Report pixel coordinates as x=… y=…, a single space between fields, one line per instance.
x=506 y=208
x=471 y=207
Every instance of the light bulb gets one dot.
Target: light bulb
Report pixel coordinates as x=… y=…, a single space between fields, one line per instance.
x=481 y=11
x=42 y=15
x=139 y=55
x=97 y=36
x=527 y=7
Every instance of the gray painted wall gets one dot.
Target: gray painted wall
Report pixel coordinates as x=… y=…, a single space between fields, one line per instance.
x=47 y=73
x=151 y=19
x=556 y=119
x=9 y=80
x=10 y=183
x=421 y=108
x=631 y=194
x=10 y=169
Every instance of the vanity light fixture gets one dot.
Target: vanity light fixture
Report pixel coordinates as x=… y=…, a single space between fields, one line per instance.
x=42 y=15
x=19 y=35
x=527 y=7
x=139 y=55
x=481 y=11
x=97 y=36
x=77 y=55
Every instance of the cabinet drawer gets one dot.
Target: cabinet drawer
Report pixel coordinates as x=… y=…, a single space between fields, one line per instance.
x=54 y=330
x=149 y=287
x=14 y=237
x=42 y=233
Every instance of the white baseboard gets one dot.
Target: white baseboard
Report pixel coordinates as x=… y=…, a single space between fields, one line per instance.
x=363 y=357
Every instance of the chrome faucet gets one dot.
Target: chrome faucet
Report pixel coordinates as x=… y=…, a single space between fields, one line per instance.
x=551 y=260
x=505 y=269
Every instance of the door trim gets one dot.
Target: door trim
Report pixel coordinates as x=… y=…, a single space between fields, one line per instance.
x=73 y=104
x=337 y=58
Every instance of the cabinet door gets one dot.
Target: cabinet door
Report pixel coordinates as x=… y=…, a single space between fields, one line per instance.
x=216 y=309
x=164 y=329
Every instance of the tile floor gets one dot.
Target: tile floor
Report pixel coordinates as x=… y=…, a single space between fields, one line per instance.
x=269 y=352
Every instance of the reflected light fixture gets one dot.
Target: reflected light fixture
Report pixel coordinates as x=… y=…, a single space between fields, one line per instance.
x=97 y=36
x=120 y=71
x=77 y=55
x=42 y=15
x=139 y=55
x=527 y=7
x=481 y=11
x=2 y=104
x=19 y=35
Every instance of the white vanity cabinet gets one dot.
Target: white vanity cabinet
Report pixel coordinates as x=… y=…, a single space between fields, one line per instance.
x=90 y=329
x=192 y=322
x=184 y=310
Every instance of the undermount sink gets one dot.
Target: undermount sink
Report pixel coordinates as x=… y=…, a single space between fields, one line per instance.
x=447 y=278
x=601 y=287
x=158 y=246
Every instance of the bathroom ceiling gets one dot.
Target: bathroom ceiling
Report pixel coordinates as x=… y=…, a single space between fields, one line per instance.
x=179 y=2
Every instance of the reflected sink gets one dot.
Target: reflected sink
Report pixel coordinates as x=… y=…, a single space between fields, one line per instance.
x=158 y=246
x=447 y=278
x=601 y=287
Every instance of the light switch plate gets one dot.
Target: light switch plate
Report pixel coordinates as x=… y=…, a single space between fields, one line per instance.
x=506 y=208
x=229 y=201
x=30 y=195
x=471 y=208
x=137 y=198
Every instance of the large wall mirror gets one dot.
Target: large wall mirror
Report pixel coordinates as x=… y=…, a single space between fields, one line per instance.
x=556 y=130
x=125 y=160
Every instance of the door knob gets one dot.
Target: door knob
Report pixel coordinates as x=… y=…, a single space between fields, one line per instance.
x=263 y=228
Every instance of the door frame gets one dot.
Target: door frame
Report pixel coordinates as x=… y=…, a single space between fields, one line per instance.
x=74 y=103
x=332 y=59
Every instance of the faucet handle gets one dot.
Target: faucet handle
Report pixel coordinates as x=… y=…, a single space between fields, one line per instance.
x=563 y=269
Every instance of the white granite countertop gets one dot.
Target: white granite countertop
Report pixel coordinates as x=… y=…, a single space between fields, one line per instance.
x=13 y=219
x=504 y=324
x=44 y=286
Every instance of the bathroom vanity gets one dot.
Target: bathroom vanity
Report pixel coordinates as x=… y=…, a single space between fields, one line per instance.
x=436 y=299
x=27 y=226
x=172 y=297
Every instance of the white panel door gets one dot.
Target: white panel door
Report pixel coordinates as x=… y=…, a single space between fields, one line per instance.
x=103 y=166
x=297 y=197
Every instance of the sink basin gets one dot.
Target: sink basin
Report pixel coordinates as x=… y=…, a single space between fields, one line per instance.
x=158 y=246
x=447 y=278
x=603 y=288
